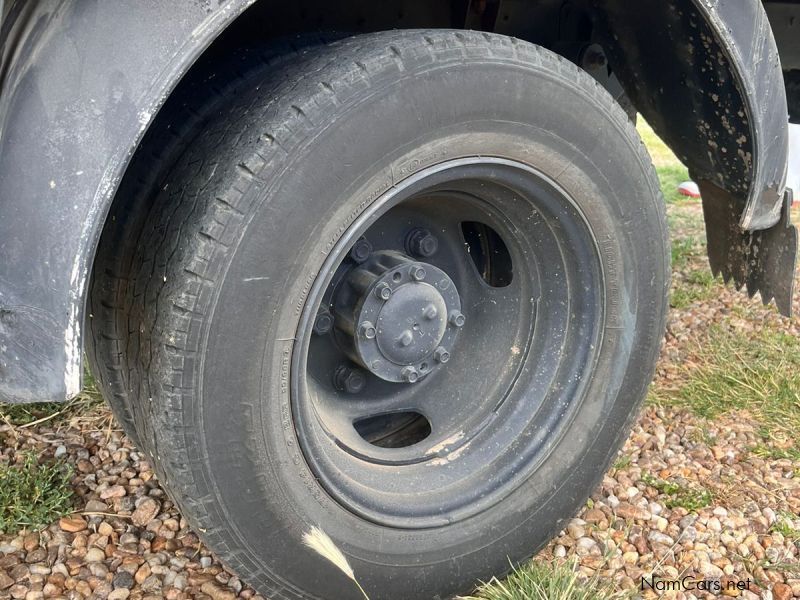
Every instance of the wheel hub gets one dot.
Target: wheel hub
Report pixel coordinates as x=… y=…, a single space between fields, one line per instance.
x=398 y=317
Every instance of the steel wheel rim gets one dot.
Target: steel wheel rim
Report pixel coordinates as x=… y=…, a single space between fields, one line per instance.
x=503 y=425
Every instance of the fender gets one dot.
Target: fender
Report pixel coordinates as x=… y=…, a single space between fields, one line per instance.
x=707 y=76
x=81 y=81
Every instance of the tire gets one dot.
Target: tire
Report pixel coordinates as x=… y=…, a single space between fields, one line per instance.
x=254 y=410
x=187 y=113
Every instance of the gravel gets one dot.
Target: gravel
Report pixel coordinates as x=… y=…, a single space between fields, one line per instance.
x=128 y=541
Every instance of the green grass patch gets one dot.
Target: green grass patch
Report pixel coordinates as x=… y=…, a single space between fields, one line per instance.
x=548 y=581
x=33 y=494
x=785 y=526
x=25 y=414
x=622 y=462
x=683 y=249
x=697 y=286
x=774 y=453
x=689 y=496
x=757 y=371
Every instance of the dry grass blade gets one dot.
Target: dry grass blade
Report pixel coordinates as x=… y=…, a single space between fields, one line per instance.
x=321 y=543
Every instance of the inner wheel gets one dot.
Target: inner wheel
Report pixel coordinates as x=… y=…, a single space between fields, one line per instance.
x=446 y=337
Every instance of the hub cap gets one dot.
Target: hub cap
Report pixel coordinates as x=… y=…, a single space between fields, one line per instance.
x=393 y=317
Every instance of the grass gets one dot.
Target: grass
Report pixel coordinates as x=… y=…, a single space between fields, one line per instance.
x=698 y=286
x=683 y=250
x=692 y=497
x=756 y=371
x=622 y=462
x=772 y=453
x=785 y=526
x=671 y=173
x=33 y=494
x=548 y=581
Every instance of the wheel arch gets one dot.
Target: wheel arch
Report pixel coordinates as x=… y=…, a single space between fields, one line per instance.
x=75 y=110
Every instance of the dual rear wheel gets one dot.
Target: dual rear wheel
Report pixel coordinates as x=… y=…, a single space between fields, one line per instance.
x=406 y=287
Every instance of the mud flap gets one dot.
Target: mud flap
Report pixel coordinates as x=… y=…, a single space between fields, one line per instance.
x=763 y=260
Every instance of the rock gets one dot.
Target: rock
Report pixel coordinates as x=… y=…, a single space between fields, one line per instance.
x=119 y=594
x=96 y=506
x=687 y=521
x=627 y=511
x=559 y=551
x=576 y=530
x=123 y=579
x=151 y=584
x=585 y=546
x=712 y=571
x=95 y=555
x=594 y=516
x=216 y=592
x=18 y=591
x=30 y=542
x=146 y=511
x=142 y=574
x=656 y=537
x=781 y=591
x=72 y=524
x=5 y=581
x=37 y=555
x=115 y=491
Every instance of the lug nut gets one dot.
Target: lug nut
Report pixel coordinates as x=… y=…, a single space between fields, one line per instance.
x=430 y=312
x=361 y=250
x=441 y=355
x=417 y=273
x=347 y=379
x=367 y=330
x=457 y=319
x=422 y=243
x=406 y=338
x=383 y=291
x=409 y=375
x=324 y=322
